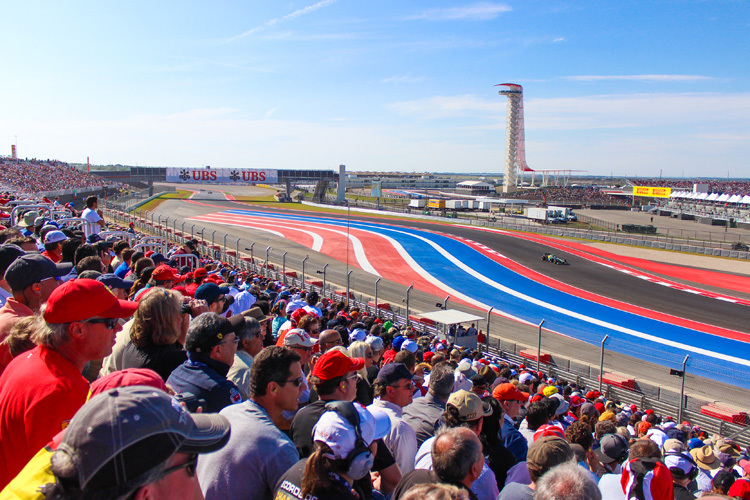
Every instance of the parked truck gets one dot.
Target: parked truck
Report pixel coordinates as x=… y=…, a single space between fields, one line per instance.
x=545 y=215
x=420 y=203
x=436 y=204
x=566 y=212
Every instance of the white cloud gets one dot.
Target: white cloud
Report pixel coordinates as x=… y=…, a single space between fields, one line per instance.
x=270 y=112
x=481 y=11
x=558 y=40
x=642 y=78
x=273 y=22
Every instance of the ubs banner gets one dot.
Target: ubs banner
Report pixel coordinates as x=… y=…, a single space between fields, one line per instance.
x=222 y=175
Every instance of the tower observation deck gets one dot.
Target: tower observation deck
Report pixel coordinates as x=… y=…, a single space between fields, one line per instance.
x=515 y=147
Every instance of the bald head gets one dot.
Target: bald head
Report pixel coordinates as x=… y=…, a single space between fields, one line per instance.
x=328 y=339
x=457 y=456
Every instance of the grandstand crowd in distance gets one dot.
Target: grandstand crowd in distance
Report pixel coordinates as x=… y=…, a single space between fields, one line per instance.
x=524 y=420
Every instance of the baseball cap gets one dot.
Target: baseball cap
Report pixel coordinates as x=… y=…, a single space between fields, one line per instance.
x=125 y=378
x=469 y=405
x=297 y=337
x=77 y=300
x=723 y=480
x=123 y=433
x=375 y=343
x=357 y=335
x=114 y=281
x=201 y=339
x=200 y=272
x=397 y=341
x=673 y=445
x=547 y=452
x=210 y=292
x=679 y=461
x=525 y=377
x=409 y=345
x=166 y=273
x=293 y=305
x=576 y=401
x=55 y=237
x=334 y=364
x=393 y=372
x=612 y=448
x=8 y=253
x=335 y=430
x=32 y=268
x=158 y=258
x=695 y=443
x=508 y=391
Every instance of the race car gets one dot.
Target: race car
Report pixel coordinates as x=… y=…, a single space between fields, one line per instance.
x=554 y=259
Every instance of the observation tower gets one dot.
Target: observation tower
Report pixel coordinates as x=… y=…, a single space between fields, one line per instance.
x=515 y=148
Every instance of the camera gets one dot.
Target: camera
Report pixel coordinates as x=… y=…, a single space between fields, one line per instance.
x=186 y=309
x=192 y=403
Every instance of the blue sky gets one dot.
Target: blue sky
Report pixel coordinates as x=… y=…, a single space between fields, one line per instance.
x=623 y=88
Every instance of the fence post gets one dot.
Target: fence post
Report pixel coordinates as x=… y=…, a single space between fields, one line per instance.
x=283 y=266
x=539 y=347
x=487 y=335
x=377 y=310
x=265 y=265
x=237 y=254
x=348 y=278
x=191 y=231
x=682 y=389
x=303 y=270
x=445 y=302
x=601 y=364
x=408 y=292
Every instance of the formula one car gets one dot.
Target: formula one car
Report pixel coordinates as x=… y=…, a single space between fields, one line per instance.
x=555 y=259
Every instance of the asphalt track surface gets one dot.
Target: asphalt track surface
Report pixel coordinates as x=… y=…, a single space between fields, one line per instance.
x=616 y=298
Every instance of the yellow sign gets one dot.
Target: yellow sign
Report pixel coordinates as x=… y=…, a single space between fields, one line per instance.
x=653 y=192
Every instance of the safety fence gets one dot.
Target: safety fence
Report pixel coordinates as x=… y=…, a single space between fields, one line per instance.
x=270 y=263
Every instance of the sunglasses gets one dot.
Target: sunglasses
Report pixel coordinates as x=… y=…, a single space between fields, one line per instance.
x=110 y=323
x=297 y=381
x=409 y=386
x=189 y=467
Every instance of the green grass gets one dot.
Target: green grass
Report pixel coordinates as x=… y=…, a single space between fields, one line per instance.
x=151 y=205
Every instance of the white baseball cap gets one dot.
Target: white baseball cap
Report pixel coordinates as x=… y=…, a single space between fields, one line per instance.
x=409 y=345
x=298 y=337
x=335 y=431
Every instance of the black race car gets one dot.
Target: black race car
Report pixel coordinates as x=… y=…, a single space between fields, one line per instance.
x=555 y=259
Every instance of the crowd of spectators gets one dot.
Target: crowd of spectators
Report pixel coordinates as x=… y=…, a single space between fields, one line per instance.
x=584 y=195
x=29 y=177
x=714 y=185
x=125 y=375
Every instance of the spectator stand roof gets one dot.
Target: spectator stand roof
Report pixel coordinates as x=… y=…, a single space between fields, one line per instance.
x=450 y=316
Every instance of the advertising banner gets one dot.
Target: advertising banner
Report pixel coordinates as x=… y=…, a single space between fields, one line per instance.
x=651 y=191
x=222 y=175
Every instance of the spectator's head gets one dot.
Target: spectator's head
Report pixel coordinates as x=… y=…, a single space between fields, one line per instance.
x=466 y=409
x=134 y=442
x=33 y=277
x=92 y=202
x=546 y=453
x=613 y=450
x=441 y=380
x=116 y=285
x=53 y=240
x=213 y=336
x=457 y=456
x=511 y=399
x=722 y=481
x=8 y=254
x=157 y=321
x=394 y=384
x=251 y=336
x=567 y=481
x=537 y=415
x=329 y=338
x=437 y=491
x=214 y=295
x=334 y=376
x=300 y=342
x=276 y=379
x=344 y=444
x=90 y=263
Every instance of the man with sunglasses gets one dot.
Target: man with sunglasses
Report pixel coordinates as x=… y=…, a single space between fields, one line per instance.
x=41 y=390
x=31 y=278
x=394 y=390
x=251 y=343
x=211 y=343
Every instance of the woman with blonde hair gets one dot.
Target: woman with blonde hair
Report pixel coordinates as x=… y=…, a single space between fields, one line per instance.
x=365 y=391
x=157 y=333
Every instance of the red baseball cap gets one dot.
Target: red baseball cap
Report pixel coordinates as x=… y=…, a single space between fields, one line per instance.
x=508 y=392
x=77 y=300
x=166 y=273
x=334 y=364
x=549 y=430
x=200 y=273
x=127 y=377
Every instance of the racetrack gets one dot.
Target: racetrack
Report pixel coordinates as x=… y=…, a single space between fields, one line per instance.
x=606 y=300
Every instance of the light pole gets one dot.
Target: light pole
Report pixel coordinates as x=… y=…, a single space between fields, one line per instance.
x=303 y=270
x=283 y=266
x=265 y=265
x=348 y=277
x=408 y=292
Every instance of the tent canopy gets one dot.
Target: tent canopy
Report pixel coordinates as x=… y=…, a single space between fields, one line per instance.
x=450 y=316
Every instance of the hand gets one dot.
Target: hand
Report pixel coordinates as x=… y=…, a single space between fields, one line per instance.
x=199 y=307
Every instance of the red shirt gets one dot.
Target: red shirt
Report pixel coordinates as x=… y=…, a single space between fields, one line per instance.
x=10 y=314
x=40 y=391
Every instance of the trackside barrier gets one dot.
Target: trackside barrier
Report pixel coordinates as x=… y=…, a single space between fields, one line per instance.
x=122 y=235
x=662 y=400
x=148 y=247
x=18 y=208
x=75 y=221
